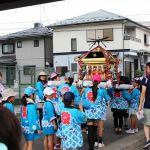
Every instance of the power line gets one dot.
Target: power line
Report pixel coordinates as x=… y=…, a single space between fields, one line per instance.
x=46 y=15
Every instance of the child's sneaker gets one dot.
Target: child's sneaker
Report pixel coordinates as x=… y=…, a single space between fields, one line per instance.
x=136 y=130
x=96 y=144
x=130 y=131
x=101 y=144
x=57 y=146
x=147 y=144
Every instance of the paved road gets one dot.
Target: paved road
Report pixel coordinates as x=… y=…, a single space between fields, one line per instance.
x=109 y=135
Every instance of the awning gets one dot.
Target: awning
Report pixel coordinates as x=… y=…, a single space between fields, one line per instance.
x=8 y=60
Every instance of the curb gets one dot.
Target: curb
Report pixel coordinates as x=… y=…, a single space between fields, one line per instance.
x=130 y=142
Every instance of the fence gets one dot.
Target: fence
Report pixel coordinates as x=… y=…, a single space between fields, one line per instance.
x=18 y=78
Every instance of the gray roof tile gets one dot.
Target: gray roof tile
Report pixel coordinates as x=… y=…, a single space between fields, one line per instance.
x=96 y=16
x=33 y=32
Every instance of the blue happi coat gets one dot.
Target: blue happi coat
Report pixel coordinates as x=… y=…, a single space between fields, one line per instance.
x=39 y=87
x=48 y=117
x=98 y=107
x=9 y=106
x=56 y=99
x=120 y=100
x=135 y=97
x=66 y=88
x=30 y=122
x=70 y=130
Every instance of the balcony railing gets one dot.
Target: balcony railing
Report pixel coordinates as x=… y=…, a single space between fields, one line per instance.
x=127 y=37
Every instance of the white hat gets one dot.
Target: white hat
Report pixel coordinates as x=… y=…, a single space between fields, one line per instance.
x=8 y=93
x=48 y=91
x=42 y=73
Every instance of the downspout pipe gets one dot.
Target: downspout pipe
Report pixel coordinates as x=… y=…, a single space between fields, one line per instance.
x=123 y=46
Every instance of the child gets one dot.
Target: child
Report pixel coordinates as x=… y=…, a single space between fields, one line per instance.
x=97 y=99
x=8 y=97
x=119 y=106
x=71 y=119
x=29 y=118
x=105 y=99
x=49 y=125
x=55 y=77
x=134 y=103
x=68 y=86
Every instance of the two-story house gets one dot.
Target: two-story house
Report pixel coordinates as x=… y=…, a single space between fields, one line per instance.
x=25 y=51
x=126 y=39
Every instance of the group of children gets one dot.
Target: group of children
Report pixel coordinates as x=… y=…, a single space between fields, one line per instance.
x=65 y=109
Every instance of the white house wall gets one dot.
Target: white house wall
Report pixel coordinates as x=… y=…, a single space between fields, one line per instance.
x=62 y=37
x=140 y=34
x=30 y=55
x=64 y=60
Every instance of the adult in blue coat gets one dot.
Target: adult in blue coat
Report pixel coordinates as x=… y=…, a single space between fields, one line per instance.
x=40 y=85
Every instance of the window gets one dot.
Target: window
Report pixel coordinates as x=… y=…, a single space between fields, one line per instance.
x=8 y=48
x=29 y=70
x=19 y=44
x=36 y=43
x=99 y=34
x=74 y=67
x=146 y=40
x=74 y=44
x=62 y=70
x=90 y=34
x=108 y=33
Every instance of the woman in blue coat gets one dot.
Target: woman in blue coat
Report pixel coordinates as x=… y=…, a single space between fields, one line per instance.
x=8 y=97
x=49 y=124
x=40 y=85
x=29 y=118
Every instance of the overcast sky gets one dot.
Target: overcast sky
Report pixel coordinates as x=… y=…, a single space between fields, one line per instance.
x=23 y=18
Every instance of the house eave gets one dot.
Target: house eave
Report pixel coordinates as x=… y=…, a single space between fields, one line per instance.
x=24 y=37
x=86 y=23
